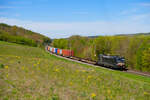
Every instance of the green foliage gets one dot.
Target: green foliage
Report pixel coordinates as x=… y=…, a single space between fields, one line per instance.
x=46 y=40
x=146 y=59
x=1 y=66
x=55 y=97
x=17 y=39
x=61 y=43
x=133 y=48
x=103 y=45
x=22 y=36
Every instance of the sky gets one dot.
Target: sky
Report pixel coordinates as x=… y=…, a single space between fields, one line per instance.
x=64 y=18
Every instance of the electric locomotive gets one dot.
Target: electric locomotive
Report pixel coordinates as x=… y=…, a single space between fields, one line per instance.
x=115 y=62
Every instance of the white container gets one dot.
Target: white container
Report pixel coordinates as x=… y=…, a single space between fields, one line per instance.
x=54 y=50
x=60 y=51
x=50 y=49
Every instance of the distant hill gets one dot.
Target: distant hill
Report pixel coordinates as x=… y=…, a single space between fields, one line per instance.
x=122 y=35
x=133 y=34
x=92 y=36
x=22 y=36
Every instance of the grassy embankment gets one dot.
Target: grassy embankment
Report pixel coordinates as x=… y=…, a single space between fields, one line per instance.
x=29 y=73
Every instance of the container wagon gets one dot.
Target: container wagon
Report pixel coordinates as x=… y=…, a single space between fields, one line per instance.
x=67 y=53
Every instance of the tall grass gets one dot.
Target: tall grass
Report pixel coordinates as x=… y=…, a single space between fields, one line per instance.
x=29 y=73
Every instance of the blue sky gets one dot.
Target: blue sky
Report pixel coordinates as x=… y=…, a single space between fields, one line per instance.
x=63 y=18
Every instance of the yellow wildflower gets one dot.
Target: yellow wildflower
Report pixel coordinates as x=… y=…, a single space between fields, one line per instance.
x=22 y=67
x=6 y=67
x=87 y=81
x=145 y=93
x=111 y=97
x=93 y=95
x=108 y=91
x=83 y=70
x=70 y=83
x=77 y=71
x=34 y=64
x=103 y=86
x=56 y=70
x=7 y=75
x=89 y=76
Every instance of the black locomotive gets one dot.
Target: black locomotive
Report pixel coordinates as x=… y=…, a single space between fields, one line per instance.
x=115 y=62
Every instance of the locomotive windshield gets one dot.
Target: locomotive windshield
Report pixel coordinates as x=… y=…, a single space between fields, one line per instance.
x=120 y=60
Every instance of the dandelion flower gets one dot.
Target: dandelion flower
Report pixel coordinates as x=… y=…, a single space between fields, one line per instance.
x=70 y=83
x=93 y=95
x=34 y=64
x=108 y=91
x=87 y=81
x=56 y=70
x=83 y=70
x=145 y=93
x=89 y=76
x=77 y=71
x=6 y=67
x=7 y=75
x=22 y=67
x=103 y=86
x=111 y=97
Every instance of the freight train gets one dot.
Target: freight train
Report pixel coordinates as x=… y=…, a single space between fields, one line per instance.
x=114 y=62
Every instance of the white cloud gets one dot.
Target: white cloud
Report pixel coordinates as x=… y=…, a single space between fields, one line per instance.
x=3 y=13
x=145 y=4
x=130 y=11
x=5 y=7
x=132 y=24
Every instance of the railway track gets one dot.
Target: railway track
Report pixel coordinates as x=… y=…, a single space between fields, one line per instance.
x=93 y=63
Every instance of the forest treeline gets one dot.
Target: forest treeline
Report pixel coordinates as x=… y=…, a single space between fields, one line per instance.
x=20 y=35
x=135 y=48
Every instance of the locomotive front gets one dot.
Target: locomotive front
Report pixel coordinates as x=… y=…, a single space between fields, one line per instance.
x=120 y=62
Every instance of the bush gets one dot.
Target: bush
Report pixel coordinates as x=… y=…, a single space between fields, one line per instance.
x=17 y=39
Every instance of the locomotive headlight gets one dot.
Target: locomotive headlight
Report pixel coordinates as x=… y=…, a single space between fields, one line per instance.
x=120 y=64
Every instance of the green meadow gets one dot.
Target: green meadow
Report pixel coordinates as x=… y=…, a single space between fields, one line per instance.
x=30 y=73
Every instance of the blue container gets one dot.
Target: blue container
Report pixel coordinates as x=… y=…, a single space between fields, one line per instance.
x=56 y=50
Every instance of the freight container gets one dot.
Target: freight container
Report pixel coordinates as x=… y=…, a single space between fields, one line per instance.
x=72 y=53
x=56 y=50
x=48 y=48
x=60 y=51
x=64 y=52
x=67 y=53
x=52 y=50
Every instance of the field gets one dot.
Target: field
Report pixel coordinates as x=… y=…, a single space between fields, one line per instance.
x=30 y=73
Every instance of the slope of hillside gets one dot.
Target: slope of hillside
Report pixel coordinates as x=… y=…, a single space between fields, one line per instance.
x=29 y=73
x=21 y=35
